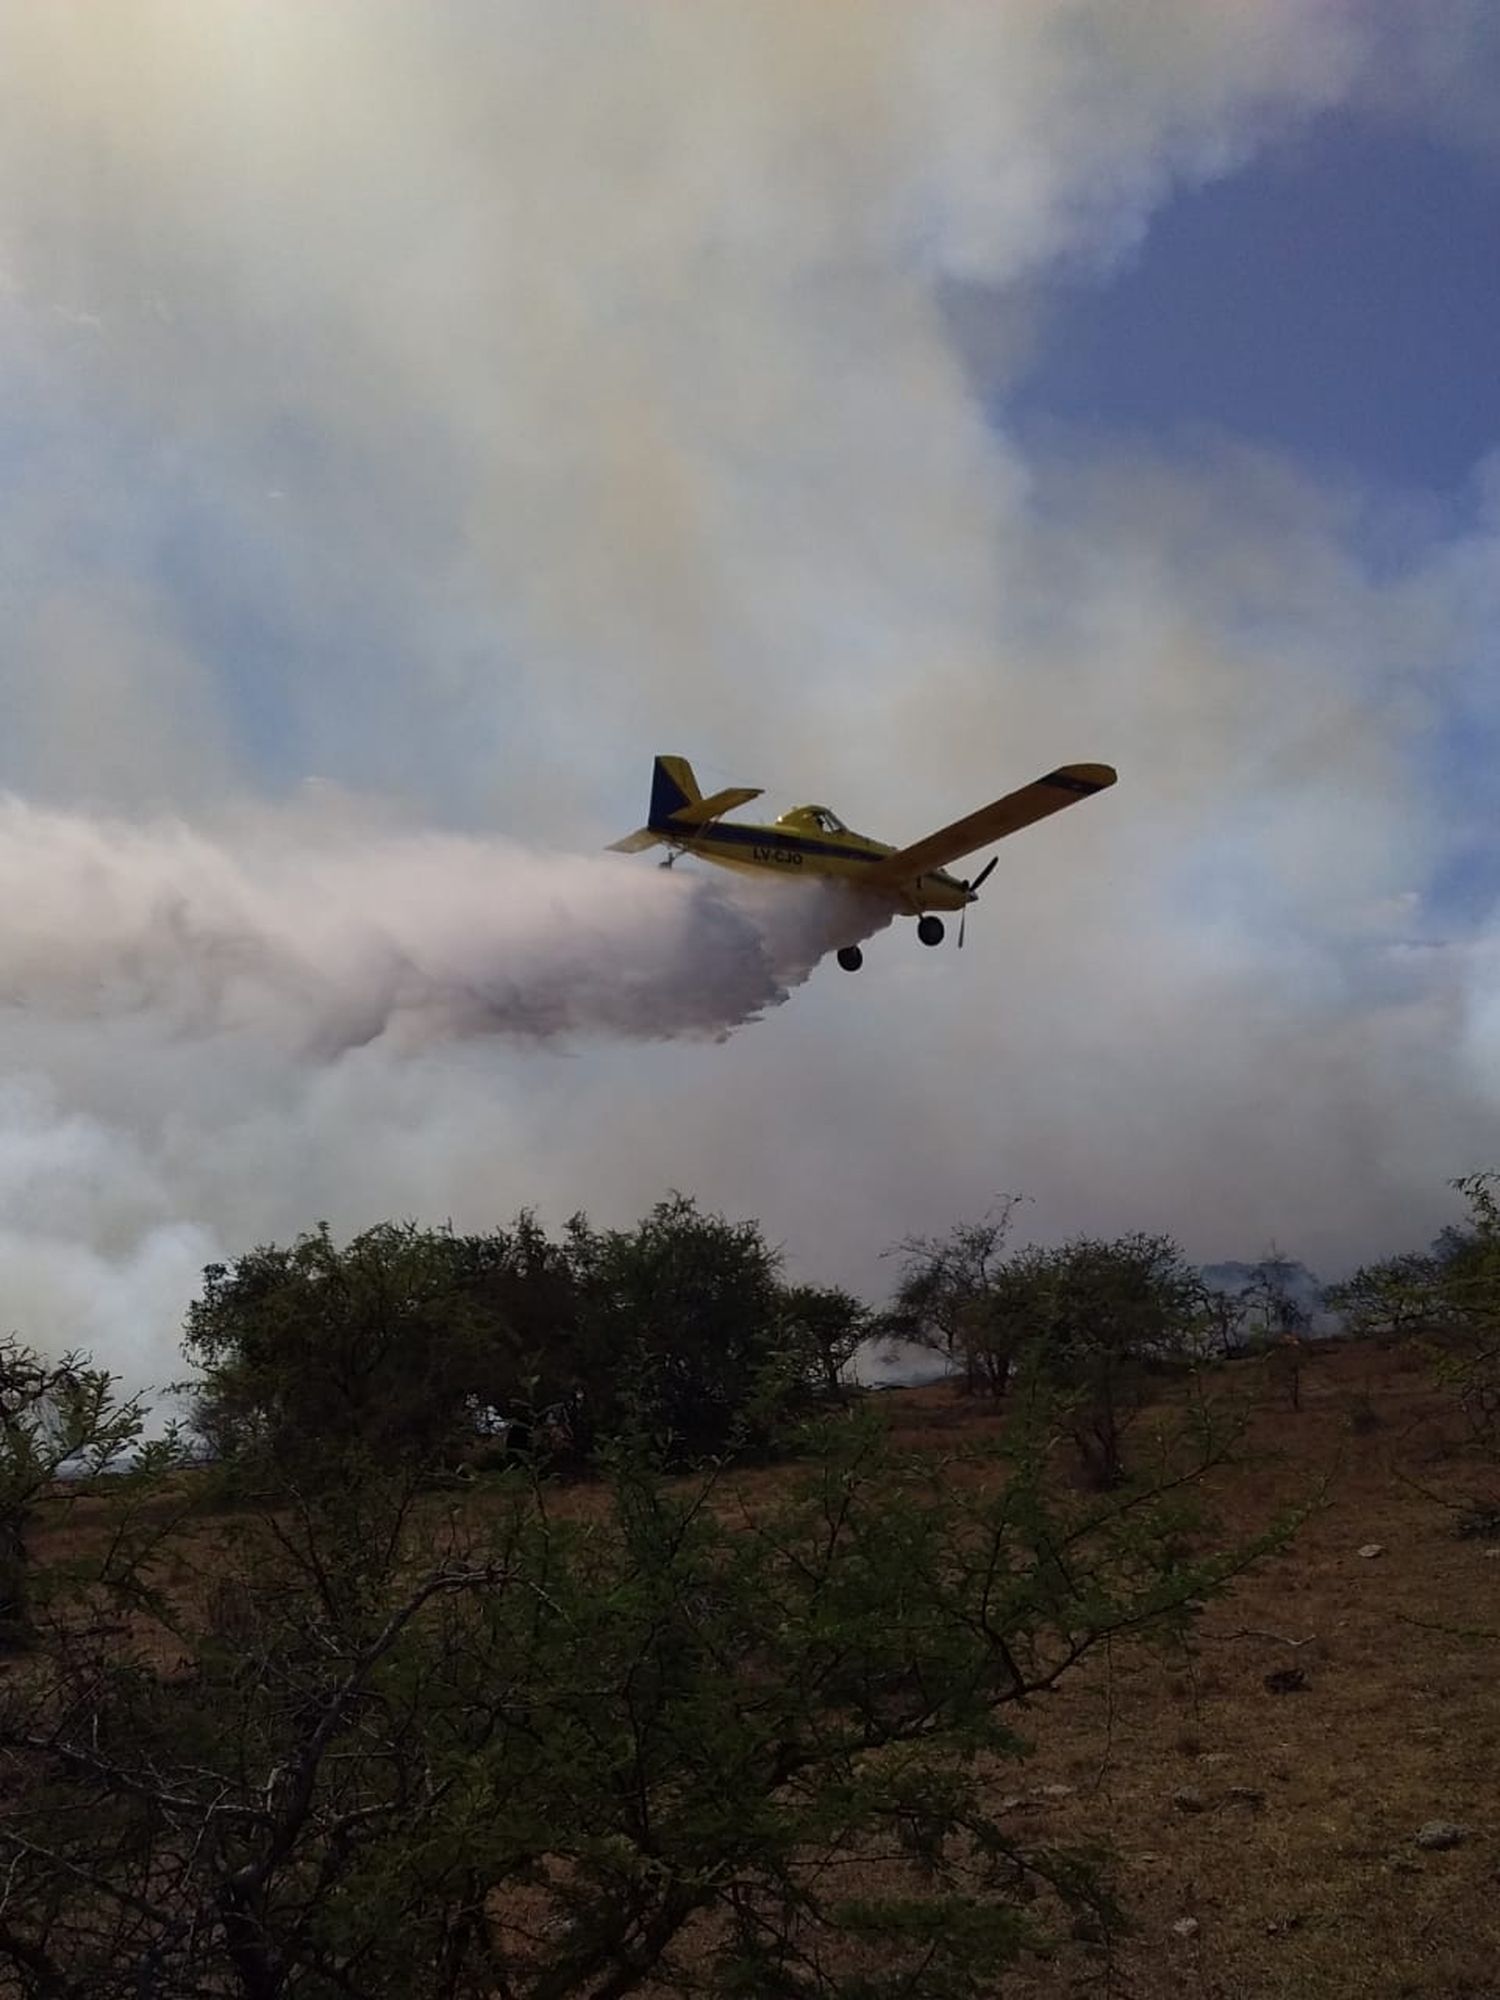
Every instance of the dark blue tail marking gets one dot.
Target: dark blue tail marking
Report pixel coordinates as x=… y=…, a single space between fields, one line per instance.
x=667 y=796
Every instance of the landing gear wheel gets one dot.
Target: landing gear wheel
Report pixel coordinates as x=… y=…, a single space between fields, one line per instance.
x=851 y=957
x=930 y=930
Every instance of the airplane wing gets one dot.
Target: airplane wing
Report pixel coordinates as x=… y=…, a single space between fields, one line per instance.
x=698 y=812
x=1063 y=787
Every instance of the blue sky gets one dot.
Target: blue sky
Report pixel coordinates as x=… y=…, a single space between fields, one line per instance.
x=1335 y=300
x=1338 y=297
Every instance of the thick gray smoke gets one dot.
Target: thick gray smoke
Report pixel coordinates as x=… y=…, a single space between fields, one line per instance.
x=327 y=937
x=463 y=403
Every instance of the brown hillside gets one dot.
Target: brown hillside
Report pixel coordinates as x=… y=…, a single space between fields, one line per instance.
x=1283 y=1824
x=1275 y=1830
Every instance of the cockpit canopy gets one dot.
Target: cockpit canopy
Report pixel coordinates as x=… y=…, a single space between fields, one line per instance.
x=813 y=819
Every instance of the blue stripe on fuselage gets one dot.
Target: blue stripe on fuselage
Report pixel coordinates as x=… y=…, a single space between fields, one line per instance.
x=725 y=834
x=765 y=836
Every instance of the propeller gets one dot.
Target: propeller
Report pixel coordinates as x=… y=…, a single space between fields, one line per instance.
x=973 y=888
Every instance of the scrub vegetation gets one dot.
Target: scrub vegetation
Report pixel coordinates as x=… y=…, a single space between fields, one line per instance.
x=542 y=1616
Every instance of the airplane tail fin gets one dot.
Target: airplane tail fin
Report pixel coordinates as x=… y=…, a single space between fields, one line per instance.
x=673 y=786
x=673 y=790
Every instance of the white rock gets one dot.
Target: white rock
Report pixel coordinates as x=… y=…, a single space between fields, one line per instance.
x=1185 y=1927
x=1372 y=1549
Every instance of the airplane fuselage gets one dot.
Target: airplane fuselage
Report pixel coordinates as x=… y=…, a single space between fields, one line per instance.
x=797 y=845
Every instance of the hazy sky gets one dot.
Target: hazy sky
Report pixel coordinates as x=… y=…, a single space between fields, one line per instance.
x=416 y=417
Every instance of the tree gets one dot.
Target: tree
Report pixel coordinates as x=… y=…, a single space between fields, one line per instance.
x=55 y=1416
x=1273 y=1303
x=1223 y=1320
x=390 y=1749
x=387 y=1346
x=1440 y=1291
x=1449 y=1297
x=946 y=1299
x=680 y=1329
x=1468 y=1292
x=1098 y=1315
x=825 y=1327
x=399 y=1344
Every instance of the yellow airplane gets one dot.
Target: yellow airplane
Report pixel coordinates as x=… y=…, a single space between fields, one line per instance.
x=812 y=841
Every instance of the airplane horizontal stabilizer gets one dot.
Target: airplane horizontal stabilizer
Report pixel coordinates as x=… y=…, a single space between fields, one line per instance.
x=1063 y=787
x=698 y=812
x=634 y=842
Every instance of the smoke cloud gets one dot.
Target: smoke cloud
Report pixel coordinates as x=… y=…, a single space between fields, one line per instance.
x=457 y=405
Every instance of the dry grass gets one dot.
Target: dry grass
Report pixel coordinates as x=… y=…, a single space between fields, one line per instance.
x=1300 y=1868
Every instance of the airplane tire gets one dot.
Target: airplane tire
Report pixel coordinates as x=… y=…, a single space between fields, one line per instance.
x=930 y=930
x=851 y=957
